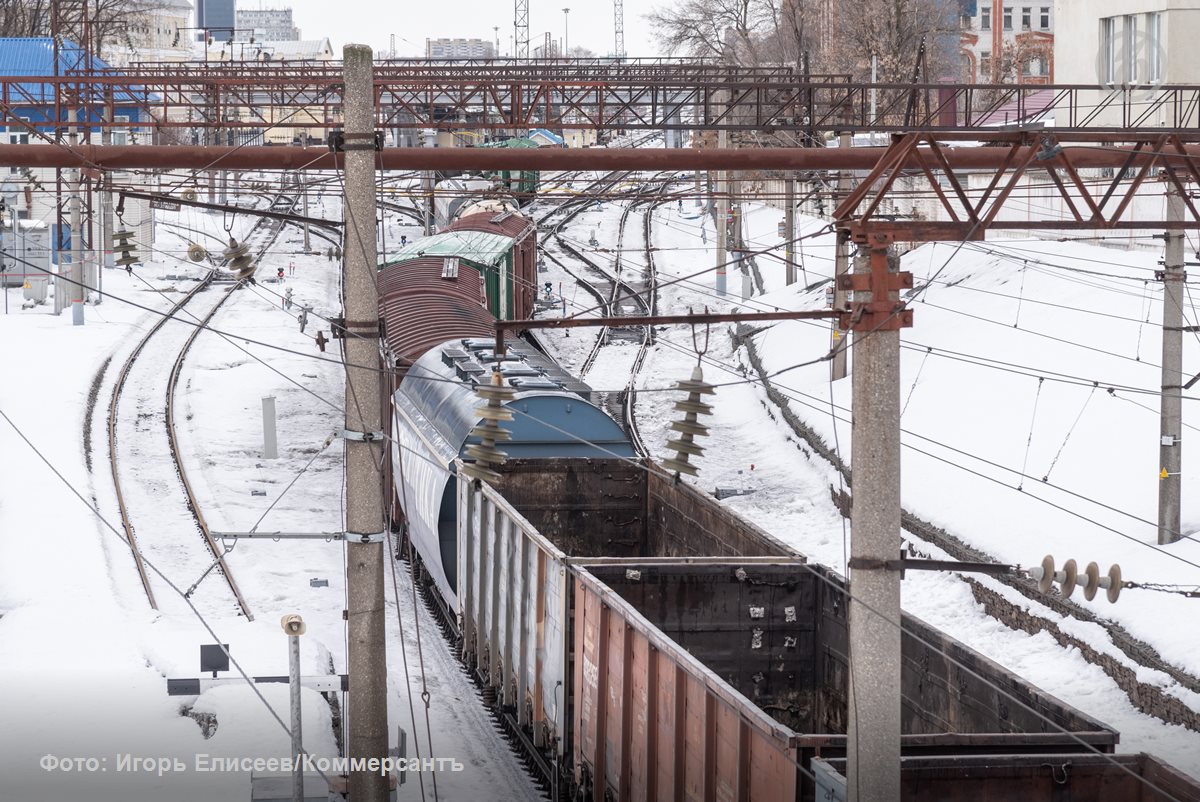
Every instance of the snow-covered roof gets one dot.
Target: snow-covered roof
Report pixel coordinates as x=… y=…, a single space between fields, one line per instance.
x=481 y=247
x=547 y=135
x=300 y=49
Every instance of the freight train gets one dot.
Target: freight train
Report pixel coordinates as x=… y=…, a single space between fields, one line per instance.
x=636 y=637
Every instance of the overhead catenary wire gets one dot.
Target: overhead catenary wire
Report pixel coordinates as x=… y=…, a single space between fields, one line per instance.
x=784 y=370
x=157 y=572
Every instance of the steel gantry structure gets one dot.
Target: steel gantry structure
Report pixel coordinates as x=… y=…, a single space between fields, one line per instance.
x=593 y=94
x=943 y=131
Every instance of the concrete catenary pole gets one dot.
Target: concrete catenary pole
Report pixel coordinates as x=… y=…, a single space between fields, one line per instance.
x=304 y=193
x=427 y=188
x=77 y=293
x=789 y=226
x=841 y=265
x=722 y=218
x=364 y=444
x=1171 y=419
x=873 y=743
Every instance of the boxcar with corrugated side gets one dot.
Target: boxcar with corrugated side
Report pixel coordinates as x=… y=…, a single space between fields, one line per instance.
x=521 y=275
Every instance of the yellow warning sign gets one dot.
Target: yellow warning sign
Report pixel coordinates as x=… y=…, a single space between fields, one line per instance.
x=1163 y=474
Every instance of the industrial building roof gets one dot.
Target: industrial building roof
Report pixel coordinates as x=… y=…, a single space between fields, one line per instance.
x=481 y=247
x=35 y=56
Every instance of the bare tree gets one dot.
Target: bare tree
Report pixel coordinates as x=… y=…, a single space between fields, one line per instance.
x=113 y=22
x=893 y=31
x=727 y=29
x=23 y=18
x=790 y=31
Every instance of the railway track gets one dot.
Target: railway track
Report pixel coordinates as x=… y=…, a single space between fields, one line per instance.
x=151 y=441
x=617 y=294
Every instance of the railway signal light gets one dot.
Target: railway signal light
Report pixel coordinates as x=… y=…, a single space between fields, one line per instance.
x=489 y=431
x=689 y=429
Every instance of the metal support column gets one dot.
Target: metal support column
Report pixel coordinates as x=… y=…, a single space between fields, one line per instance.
x=427 y=189
x=1171 y=403
x=293 y=626
x=364 y=449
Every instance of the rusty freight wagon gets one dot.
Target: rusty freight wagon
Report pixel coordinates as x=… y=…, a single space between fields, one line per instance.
x=520 y=266
x=1026 y=778
x=645 y=643
x=499 y=246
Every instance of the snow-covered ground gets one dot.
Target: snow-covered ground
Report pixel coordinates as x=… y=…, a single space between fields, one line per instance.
x=83 y=660
x=1004 y=328
x=1000 y=321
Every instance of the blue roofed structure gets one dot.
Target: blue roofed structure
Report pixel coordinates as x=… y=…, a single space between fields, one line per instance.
x=545 y=138
x=34 y=100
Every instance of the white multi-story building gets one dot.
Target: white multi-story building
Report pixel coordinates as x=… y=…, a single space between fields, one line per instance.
x=157 y=32
x=459 y=49
x=1129 y=42
x=1008 y=41
x=1127 y=47
x=267 y=24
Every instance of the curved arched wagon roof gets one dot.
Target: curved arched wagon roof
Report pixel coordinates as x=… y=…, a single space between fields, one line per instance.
x=425 y=302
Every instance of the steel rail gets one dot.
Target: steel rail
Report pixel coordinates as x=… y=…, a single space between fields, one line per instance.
x=273 y=226
x=172 y=436
x=113 y=407
x=173 y=439
x=618 y=289
x=630 y=401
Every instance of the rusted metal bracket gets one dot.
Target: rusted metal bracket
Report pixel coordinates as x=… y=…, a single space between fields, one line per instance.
x=341 y=327
x=917 y=564
x=970 y=213
x=652 y=320
x=885 y=311
x=339 y=141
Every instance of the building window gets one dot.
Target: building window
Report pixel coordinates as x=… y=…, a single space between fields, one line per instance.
x=1130 y=49
x=985 y=66
x=1108 y=49
x=985 y=19
x=1045 y=21
x=1154 y=45
x=120 y=136
x=1026 y=18
x=1008 y=18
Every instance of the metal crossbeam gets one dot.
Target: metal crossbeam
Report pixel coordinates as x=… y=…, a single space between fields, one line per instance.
x=970 y=213
x=595 y=94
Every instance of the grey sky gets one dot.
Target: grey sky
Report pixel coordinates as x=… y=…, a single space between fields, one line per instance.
x=371 y=23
